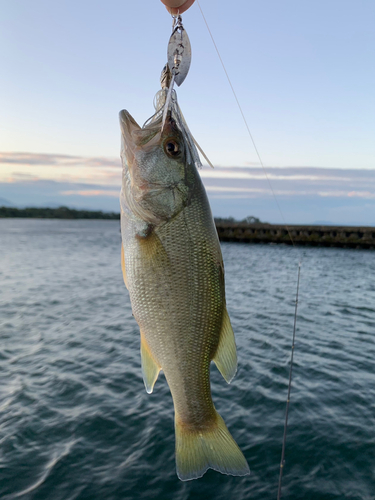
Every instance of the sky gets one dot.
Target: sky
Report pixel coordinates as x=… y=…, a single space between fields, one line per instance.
x=303 y=72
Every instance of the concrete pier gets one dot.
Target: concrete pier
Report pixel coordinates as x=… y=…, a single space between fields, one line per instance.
x=327 y=236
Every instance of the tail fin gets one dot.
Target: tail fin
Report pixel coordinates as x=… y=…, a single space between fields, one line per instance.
x=211 y=448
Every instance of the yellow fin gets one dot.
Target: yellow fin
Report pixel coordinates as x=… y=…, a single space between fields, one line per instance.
x=226 y=354
x=152 y=250
x=123 y=265
x=150 y=369
x=209 y=448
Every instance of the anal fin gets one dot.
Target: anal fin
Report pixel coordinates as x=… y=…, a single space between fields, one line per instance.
x=226 y=354
x=150 y=368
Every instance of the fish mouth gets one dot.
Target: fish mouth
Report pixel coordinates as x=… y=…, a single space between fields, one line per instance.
x=136 y=139
x=135 y=136
x=128 y=126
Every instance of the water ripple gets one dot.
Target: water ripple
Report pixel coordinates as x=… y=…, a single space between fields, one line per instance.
x=77 y=424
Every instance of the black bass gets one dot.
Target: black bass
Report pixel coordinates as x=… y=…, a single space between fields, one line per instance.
x=173 y=269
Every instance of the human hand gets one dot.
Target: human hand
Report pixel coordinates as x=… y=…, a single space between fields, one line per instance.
x=177 y=6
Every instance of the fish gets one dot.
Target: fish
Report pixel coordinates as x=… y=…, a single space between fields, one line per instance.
x=173 y=269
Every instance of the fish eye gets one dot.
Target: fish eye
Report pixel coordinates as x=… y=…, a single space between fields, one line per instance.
x=172 y=148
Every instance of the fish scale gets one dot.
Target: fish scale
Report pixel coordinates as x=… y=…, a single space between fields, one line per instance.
x=187 y=282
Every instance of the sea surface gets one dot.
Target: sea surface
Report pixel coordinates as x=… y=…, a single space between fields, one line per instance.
x=77 y=423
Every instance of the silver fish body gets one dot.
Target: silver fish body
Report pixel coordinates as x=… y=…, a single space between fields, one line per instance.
x=174 y=272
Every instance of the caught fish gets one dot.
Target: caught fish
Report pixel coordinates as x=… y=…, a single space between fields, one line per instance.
x=173 y=268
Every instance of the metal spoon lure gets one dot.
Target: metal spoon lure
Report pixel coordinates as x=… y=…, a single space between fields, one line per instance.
x=179 y=59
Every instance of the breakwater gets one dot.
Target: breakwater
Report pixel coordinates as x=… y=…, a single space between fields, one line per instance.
x=327 y=236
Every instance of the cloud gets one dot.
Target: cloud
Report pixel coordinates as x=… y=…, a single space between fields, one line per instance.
x=292 y=181
x=229 y=189
x=48 y=160
x=235 y=173
x=94 y=182
x=350 y=194
x=91 y=192
x=16 y=167
x=361 y=194
x=106 y=172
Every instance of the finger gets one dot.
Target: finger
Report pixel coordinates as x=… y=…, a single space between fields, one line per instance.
x=177 y=6
x=174 y=4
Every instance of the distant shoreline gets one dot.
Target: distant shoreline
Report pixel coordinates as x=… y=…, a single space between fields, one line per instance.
x=251 y=230
x=56 y=213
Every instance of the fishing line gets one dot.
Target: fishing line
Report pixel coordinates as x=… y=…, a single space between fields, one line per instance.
x=247 y=126
x=282 y=463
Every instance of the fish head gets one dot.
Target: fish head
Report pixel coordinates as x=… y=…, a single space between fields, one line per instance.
x=157 y=180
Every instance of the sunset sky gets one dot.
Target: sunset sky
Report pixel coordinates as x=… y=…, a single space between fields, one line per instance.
x=303 y=71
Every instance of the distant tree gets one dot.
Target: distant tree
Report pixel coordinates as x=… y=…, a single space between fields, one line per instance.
x=250 y=219
x=56 y=213
x=64 y=212
x=225 y=219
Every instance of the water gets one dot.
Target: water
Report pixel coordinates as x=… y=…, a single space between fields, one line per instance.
x=76 y=422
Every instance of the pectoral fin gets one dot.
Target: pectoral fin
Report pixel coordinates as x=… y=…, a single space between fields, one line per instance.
x=150 y=369
x=123 y=266
x=153 y=252
x=226 y=355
